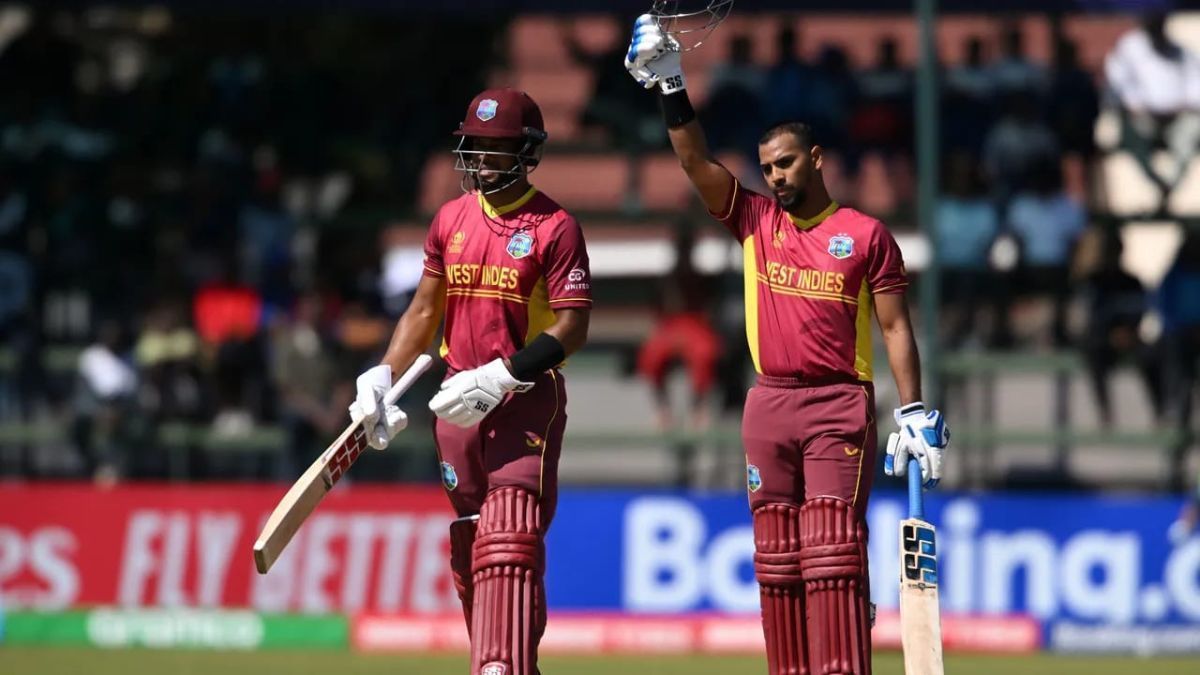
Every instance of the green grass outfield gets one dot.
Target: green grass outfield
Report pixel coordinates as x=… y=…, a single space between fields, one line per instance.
x=77 y=661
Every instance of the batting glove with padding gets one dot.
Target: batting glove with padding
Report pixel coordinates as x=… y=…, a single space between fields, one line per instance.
x=653 y=57
x=381 y=421
x=922 y=435
x=467 y=397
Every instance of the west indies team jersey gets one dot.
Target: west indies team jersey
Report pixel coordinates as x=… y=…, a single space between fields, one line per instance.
x=809 y=284
x=507 y=269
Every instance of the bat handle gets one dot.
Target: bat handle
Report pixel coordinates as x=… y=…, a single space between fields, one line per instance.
x=916 y=501
x=417 y=369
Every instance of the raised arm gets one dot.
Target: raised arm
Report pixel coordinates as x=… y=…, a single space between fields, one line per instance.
x=653 y=60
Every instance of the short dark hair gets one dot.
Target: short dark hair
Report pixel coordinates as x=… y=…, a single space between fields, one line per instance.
x=802 y=132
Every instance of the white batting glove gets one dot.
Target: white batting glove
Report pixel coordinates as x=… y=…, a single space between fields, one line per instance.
x=382 y=422
x=924 y=436
x=653 y=57
x=467 y=397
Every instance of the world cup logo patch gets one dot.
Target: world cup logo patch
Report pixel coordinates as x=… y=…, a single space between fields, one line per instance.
x=753 y=478
x=449 y=476
x=520 y=245
x=486 y=110
x=841 y=246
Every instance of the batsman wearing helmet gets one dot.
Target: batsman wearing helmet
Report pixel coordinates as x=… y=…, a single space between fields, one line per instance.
x=814 y=272
x=508 y=270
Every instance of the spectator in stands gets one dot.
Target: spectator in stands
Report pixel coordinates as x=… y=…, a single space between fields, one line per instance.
x=266 y=230
x=832 y=95
x=1074 y=103
x=882 y=120
x=104 y=405
x=733 y=109
x=967 y=100
x=306 y=374
x=1047 y=222
x=1114 y=303
x=1157 y=85
x=228 y=318
x=789 y=81
x=683 y=332
x=1178 y=302
x=1017 y=147
x=629 y=120
x=166 y=355
x=400 y=271
x=1013 y=74
x=966 y=227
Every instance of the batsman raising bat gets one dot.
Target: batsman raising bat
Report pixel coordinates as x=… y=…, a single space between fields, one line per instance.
x=508 y=269
x=814 y=273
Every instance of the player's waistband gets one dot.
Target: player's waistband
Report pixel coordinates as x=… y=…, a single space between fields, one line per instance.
x=777 y=382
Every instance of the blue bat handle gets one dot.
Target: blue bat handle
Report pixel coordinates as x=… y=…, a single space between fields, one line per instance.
x=916 y=501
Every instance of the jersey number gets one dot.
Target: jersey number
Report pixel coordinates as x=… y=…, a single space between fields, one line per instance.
x=675 y=81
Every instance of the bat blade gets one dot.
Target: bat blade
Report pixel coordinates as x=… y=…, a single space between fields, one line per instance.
x=920 y=618
x=320 y=477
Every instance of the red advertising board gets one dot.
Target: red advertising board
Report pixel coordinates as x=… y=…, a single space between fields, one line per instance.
x=366 y=549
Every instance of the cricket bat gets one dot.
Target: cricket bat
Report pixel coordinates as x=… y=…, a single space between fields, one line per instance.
x=307 y=492
x=920 y=620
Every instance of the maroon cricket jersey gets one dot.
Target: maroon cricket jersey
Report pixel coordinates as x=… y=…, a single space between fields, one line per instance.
x=507 y=269
x=809 y=284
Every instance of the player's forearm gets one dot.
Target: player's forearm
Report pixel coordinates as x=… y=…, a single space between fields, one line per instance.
x=713 y=182
x=413 y=335
x=904 y=360
x=570 y=329
x=552 y=346
x=684 y=130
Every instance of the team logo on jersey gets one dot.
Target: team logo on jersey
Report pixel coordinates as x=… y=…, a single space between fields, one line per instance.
x=520 y=245
x=449 y=476
x=753 y=478
x=456 y=242
x=780 y=236
x=486 y=110
x=841 y=246
x=533 y=440
x=494 y=668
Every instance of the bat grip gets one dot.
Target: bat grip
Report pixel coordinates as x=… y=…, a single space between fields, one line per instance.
x=916 y=501
x=417 y=369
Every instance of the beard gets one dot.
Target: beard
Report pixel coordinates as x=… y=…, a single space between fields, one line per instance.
x=791 y=201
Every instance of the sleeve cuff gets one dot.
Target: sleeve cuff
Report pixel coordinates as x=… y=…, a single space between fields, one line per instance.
x=890 y=289
x=727 y=212
x=563 y=303
x=431 y=272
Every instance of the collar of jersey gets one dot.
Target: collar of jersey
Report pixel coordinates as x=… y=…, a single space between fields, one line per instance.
x=497 y=211
x=809 y=223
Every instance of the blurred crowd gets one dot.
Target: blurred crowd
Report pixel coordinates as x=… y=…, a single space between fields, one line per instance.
x=197 y=203
x=198 y=209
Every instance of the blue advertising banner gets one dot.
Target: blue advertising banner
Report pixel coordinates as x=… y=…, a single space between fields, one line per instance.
x=1081 y=564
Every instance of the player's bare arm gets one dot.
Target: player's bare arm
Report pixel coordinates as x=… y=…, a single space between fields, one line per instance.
x=891 y=311
x=418 y=326
x=570 y=328
x=653 y=60
x=414 y=332
x=923 y=434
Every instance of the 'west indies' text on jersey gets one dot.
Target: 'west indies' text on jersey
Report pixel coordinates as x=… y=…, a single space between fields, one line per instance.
x=809 y=284
x=507 y=269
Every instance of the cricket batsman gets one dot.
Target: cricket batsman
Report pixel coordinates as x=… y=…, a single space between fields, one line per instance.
x=508 y=269
x=814 y=271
